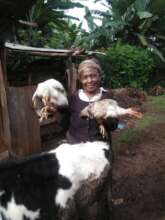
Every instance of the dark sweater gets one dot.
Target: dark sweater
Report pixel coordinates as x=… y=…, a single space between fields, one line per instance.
x=85 y=129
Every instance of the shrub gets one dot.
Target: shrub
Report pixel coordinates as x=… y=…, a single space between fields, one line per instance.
x=127 y=66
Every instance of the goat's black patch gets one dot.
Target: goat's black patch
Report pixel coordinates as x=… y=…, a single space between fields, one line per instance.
x=33 y=182
x=107 y=154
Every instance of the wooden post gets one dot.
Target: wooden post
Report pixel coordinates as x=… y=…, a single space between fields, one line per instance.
x=5 y=136
x=3 y=53
x=71 y=76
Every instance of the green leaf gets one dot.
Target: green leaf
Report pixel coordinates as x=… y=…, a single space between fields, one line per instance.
x=157 y=52
x=144 y=14
x=142 y=40
x=63 y=5
x=161 y=37
x=158 y=7
x=121 y=6
x=141 y=5
x=89 y=19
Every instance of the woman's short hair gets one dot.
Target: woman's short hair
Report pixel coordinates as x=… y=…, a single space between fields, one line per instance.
x=87 y=64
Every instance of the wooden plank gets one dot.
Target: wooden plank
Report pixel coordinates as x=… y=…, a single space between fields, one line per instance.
x=48 y=54
x=4 y=155
x=49 y=51
x=5 y=138
x=71 y=76
x=25 y=129
x=3 y=53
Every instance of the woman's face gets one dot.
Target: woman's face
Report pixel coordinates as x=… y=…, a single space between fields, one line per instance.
x=90 y=80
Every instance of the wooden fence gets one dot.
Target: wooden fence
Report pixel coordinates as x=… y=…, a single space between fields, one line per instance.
x=24 y=126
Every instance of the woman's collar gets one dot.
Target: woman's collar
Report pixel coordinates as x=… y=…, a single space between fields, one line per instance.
x=83 y=96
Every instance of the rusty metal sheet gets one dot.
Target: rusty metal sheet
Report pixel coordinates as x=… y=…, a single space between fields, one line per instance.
x=24 y=126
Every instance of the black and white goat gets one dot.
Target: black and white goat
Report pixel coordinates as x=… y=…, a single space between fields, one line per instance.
x=69 y=182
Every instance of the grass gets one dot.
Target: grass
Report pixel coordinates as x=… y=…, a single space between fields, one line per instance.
x=153 y=116
x=156 y=102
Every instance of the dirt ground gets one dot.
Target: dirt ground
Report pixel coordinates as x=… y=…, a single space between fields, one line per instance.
x=139 y=178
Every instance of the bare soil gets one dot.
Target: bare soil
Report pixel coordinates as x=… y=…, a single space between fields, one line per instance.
x=139 y=178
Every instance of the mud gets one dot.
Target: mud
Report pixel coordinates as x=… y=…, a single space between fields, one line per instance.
x=139 y=178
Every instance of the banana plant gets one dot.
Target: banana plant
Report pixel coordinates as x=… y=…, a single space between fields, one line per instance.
x=96 y=37
x=146 y=24
x=139 y=22
x=49 y=16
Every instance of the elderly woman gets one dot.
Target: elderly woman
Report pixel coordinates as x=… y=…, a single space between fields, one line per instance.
x=86 y=129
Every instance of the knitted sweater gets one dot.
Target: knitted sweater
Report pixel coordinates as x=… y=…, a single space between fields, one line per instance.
x=85 y=129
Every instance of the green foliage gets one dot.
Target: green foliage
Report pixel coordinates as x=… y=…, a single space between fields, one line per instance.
x=137 y=22
x=128 y=66
x=54 y=26
x=64 y=39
